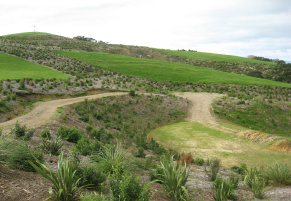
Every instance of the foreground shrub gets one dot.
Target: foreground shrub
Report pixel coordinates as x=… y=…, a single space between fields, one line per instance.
x=223 y=190
x=174 y=177
x=69 y=134
x=17 y=155
x=52 y=146
x=255 y=181
x=126 y=187
x=91 y=176
x=111 y=157
x=93 y=197
x=213 y=169
x=65 y=184
x=279 y=173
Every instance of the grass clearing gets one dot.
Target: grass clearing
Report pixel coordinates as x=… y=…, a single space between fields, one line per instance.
x=165 y=71
x=192 y=137
x=12 y=67
x=213 y=57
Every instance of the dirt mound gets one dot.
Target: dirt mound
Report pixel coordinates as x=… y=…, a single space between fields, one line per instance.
x=281 y=145
x=257 y=136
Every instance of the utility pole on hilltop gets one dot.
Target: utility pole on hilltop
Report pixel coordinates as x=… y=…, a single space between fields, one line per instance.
x=34 y=28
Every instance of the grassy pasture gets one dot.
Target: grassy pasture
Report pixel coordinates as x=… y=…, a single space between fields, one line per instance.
x=12 y=67
x=164 y=71
x=212 y=56
x=209 y=143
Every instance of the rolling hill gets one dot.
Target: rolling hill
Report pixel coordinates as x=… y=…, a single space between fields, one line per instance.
x=164 y=71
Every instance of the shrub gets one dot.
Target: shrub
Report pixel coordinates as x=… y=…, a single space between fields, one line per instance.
x=199 y=161
x=83 y=146
x=18 y=156
x=279 y=173
x=111 y=157
x=91 y=176
x=140 y=153
x=22 y=132
x=93 y=197
x=255 y=181
x=126 y=187
x=69 y=134
x=223 y=190
x=213 y=169
x=52 y=147
x=45 y=134
x=1 y=131
x=174 y=177
x=65 y=184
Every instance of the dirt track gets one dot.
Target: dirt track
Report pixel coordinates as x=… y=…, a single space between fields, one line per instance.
x=201 y=106
x=45 y=111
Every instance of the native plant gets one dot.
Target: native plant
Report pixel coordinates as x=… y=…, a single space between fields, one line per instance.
x=223 y=190
x=279 y=173
x=125 y=187
x=52 y=146
x=111 y=157
x=255 y=181
x=174 y=177
x=213 y=169
x=65 y=183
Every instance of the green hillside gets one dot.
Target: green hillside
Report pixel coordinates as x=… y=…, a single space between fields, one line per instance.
x=12 y=67
x=212 y=56
x=165 y=71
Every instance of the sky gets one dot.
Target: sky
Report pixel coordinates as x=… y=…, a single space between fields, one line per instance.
x=235 y=27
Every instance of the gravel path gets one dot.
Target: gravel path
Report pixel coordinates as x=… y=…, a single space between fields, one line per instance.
x=43 y=112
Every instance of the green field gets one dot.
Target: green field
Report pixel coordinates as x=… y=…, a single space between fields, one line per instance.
x=165 y=71
x=192 y=137
x=12 y=67
x=212 y=57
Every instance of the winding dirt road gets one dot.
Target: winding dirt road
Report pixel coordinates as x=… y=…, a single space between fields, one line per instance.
x=43 y=112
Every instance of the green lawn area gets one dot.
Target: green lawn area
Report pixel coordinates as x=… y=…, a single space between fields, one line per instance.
x=165 y=71
x=12 y=67
x=201 y=141
x=212 y=56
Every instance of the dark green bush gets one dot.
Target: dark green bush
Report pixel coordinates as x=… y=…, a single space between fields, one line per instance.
x=22 y=132
x=69 y=134
x=199 y=161
x=83 y=146
x=91 y=176
x=126 y=187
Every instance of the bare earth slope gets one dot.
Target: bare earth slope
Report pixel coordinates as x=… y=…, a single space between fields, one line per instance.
x=45 y=111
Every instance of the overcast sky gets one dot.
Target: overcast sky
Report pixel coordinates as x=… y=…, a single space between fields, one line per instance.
x=236 y=27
